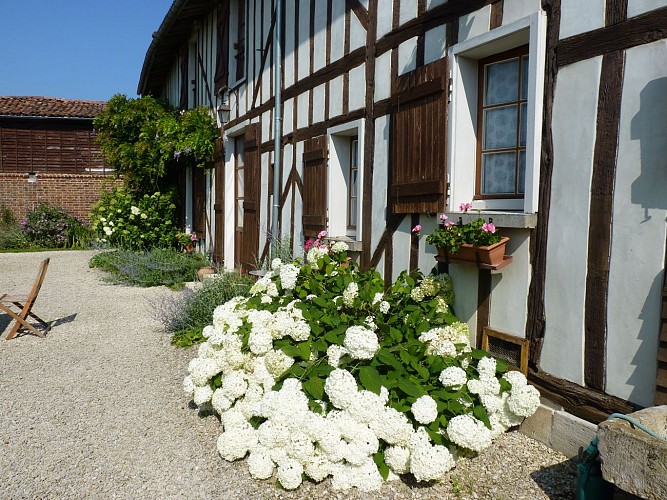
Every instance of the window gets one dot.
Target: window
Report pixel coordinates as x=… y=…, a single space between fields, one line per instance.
x=501 y=124
x=239 y=45
x=495 y=124
x=353 y=184
x=344 y=199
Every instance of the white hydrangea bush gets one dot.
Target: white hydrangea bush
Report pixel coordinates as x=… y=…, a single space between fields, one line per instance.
x=321 y=372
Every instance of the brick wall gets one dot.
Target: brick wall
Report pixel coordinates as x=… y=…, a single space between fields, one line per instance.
x=74 y=193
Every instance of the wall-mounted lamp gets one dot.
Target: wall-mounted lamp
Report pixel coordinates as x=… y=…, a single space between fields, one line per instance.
x=224 y=112
x=32 y=177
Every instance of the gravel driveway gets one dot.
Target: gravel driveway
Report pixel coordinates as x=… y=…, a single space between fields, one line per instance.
x=96 y=409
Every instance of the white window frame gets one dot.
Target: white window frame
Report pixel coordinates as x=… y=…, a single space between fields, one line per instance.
x=338 y=172
x=464 y=58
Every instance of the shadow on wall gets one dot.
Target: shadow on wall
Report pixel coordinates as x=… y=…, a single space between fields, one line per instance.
x=649 y=126
x=649 y=191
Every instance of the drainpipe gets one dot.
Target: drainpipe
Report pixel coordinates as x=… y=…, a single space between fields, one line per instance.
x=277 y=127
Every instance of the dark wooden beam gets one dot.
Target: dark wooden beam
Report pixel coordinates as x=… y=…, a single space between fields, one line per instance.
x=483 y=303
x=414 y=244
x=616 y=11
x=639 y=30
x=359 y=11
x=496 y=14
x=600 y=222
x=589 y=404
x=535 y=321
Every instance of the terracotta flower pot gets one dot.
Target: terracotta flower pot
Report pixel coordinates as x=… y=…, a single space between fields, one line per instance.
x=492 y=254
x=202 y=272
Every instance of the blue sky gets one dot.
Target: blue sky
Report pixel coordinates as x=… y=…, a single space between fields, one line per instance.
x=76 y=49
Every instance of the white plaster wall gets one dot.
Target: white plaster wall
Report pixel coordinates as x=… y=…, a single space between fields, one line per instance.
x=336 y=97
x=383 y=76
x=407 y=11
x=304 y=38
x=407 y=56
x=638 y=241
x=509 y=286
x=427 y=252
x=574 y=121
x=242 y=105
x=380 y=267
x=401 y=248
x=434 y=42
x=578 y=17
x=357 y=33
x=636 y=7
x=380 y=179
x=357 y=97
x=465 y=280
x=298 y=202
x=264 y=215
x=320 y=41
x=318 y=103
x=337 y=30
x=288 y=60
x=267 y=125
x=286 y=212
x=474 y=24
x=302 y=110
x=288 y=116
x=230 y=226
x=385 y=16
x=516 y=9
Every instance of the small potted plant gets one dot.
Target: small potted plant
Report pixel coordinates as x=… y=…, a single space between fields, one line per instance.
x=187 y=240
x=474 y=241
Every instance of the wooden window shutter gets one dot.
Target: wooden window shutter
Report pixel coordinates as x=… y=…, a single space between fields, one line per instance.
x=221 y=79
x=183 y=98
x=315 y=154
x=251 y=195
x=419 y=138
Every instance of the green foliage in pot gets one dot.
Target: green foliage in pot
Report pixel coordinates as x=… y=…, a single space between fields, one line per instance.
x=450 y=236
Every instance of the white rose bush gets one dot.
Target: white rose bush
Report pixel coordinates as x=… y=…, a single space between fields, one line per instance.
x=321 y=372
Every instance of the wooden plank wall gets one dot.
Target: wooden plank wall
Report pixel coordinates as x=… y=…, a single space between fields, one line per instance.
x=58 y=148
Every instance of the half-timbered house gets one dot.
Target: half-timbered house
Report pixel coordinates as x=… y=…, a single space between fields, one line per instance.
x=550 y=116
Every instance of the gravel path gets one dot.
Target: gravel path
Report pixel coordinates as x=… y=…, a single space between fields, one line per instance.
x=96 y=410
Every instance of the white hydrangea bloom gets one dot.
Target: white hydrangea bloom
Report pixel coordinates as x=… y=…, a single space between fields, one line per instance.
x=260 y=464
x=485 y=385
x=397 y=458
x=261 y=284
x=392 y=426
x=523 y=401
x=487 y=367
x=341 y=387
x=277 y=362
x=265 y=299
x=316 y=253
x=430 y=286
x=220 y=402
x=334 y=353
x=202 y=370
x=360 y=342
x=288 y=276
x=339 y=246
x=430 y=462
x=276 y=263
x=378 y=297
x=468 y=432
x=366 y=406
x=506 y=417
x=425 y=410
x=233 y=419
x=364 y=477
x=516 y=378
x=350 y=293
x=135 y=210
x=260 y=341
x=442 y=307
x=453 y=376
x=234 y=385
x=492 y=403
x=417 y=294
x=272 y=290
x=300 y=447
x=202 y=395
x=289 y=474
x=318 y=467
x=235 y=443
x=384 y=307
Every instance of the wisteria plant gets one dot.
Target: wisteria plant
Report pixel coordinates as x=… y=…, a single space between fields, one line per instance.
x=322 y=372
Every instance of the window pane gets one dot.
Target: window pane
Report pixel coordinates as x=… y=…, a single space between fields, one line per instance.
x=498 y=171
x=522 y=129
x=522 y=172
x=239 y=183
x=502 y=82
x=352 y=215
x=500 y=127
x=524 y=77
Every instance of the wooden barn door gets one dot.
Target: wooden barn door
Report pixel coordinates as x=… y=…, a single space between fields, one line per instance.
x=419 y=138
x=219 y=202
x=251 y=197
x=315 y=154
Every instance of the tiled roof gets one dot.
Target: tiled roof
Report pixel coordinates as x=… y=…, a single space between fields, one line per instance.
x=49 y=107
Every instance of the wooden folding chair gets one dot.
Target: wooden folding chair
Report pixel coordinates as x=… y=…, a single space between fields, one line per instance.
x=24 y=303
